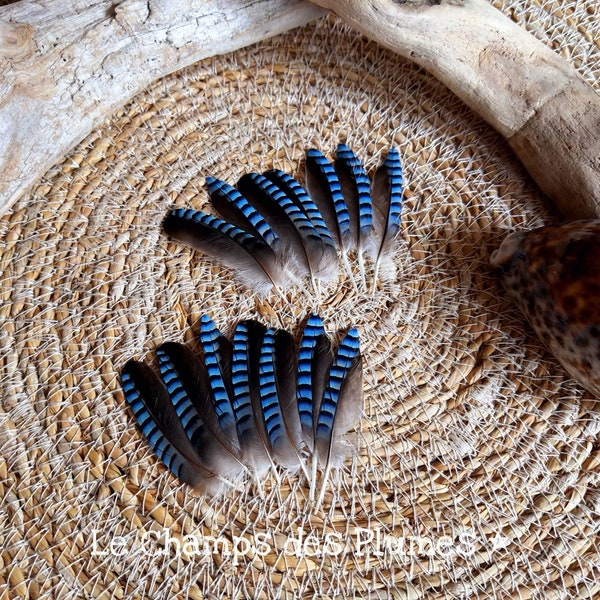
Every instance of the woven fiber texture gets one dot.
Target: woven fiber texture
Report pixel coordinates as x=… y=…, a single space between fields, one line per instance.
x=476 y=470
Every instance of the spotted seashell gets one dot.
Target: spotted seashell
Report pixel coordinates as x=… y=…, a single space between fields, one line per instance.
x=553 y=274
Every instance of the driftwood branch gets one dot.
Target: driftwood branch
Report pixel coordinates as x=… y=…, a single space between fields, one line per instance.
x=66 y=65
x=532 y=96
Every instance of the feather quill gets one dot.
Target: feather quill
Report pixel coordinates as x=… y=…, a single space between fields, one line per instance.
x=277 y=382
x=387 y=212
x=341 y=406
x=160 y=424
x=254 y=262
x=186 y=380
x=314 y=360
x=247 y=339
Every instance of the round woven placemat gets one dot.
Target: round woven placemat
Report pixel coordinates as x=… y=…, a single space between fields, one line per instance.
x=476 y=474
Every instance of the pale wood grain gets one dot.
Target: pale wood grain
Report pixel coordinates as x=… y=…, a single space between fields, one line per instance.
x=526 y=91
x=66 y=65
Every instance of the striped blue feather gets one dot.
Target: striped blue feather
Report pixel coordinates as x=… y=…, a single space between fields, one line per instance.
x=185 y=409
x=247 y=338
x=277 y=389
x=300 y=239
x=298 y=194
x=294 y=212
x=147 y=424
x=394 y=170
x=252 y=260
x=313 y=329
x=240 y=382
x=387 y=212
x=158 y=420
x=228 y=229
x=324 y=188
x=231 y=204
x=209 y=338
x=346 y=357
x=268 y=390
x=349 y=167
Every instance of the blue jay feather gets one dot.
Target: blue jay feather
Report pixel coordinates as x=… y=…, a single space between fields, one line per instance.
x=247 y=339
x=324 y=188
x=251 y=258
x=298 y=234
x=342 y=401
x=214 y=346
x=235 y=208
x=356 y=189
x=158 y=421
x=190 y=395
x=314 y=360
x=277 y=368
x=387 y=208
x=293 y=190
x=318 y=244
x=184 y=408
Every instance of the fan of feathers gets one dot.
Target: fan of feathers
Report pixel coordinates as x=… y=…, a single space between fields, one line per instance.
x=262 y=399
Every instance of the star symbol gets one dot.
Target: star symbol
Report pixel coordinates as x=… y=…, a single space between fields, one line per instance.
x=499 y=542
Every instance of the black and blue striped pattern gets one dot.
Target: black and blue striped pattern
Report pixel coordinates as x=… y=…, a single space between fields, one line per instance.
x=393 y=167
x=294 y=212
x=185 y=409
x=269 y=397
x=313 y=329
x=363 y=187
x=209 y=338
x=272 y=382
x=330 y=176
x=228 y=193
x=169 y=455
x=298 y=195
x=240 y=381
x=238 y=235
x=348 y=351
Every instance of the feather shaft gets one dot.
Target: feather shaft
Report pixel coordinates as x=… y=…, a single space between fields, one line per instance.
x=341 y=406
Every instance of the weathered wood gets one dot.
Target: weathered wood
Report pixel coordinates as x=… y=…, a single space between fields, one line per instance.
x=531 y=95
x=66 y=65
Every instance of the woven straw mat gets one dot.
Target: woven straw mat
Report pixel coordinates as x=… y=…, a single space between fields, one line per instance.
x=476 y=469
